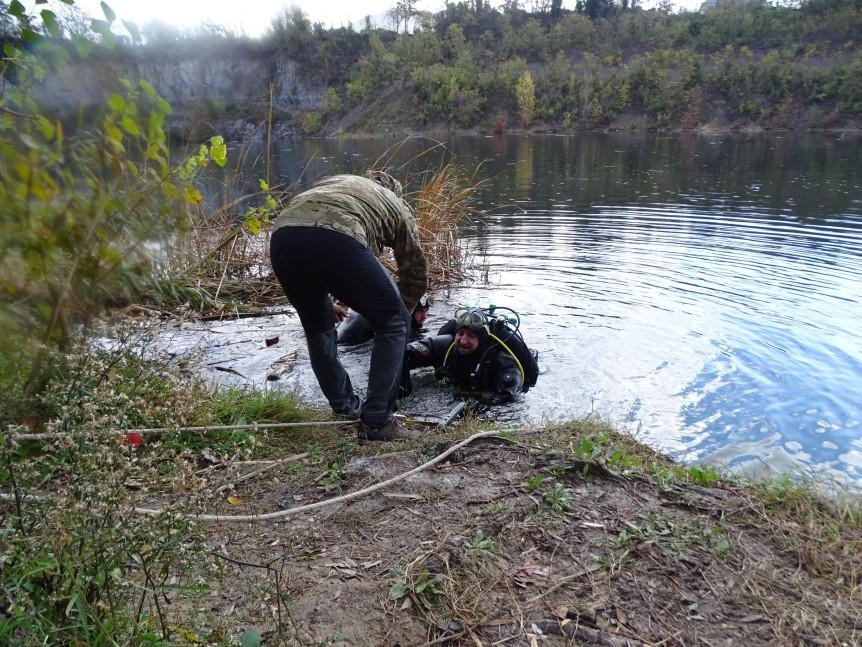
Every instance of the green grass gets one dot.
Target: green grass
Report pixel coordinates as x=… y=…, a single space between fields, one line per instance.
x=239 y=405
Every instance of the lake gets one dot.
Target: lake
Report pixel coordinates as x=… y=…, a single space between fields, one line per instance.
x=702 y=292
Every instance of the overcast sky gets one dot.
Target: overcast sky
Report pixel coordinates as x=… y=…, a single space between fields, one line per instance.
x=252 y=17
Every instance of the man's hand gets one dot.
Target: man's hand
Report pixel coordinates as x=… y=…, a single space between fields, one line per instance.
x=339 y=310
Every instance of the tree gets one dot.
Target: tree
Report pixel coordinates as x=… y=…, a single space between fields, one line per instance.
x=402 y=13
x=81 y=207
x=291 y=31
x=556 y=8
x=525 y=94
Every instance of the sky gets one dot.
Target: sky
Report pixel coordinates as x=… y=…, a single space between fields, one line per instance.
x=253 y=17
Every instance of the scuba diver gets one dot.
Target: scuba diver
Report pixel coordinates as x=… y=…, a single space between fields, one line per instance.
x=355 y=329
x=478 y=350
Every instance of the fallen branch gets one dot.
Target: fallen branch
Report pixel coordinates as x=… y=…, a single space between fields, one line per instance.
x=257 y=472
x=565 y=580
x=197 y=430
x=289 y=512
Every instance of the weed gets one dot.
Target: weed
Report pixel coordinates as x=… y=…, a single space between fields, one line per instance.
x=666 y=478
x=234 y=406
x=558 y=500
x=334 y=474
x=498 y=507
x=705 y=476
x=674 y=537
x=786 y=491
x=590 y=447
x=534 y=483
x=481 y=544
x=425 y=589
x=624 y=462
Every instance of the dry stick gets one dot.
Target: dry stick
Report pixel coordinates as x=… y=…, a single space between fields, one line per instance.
x=265 y=468
x=226 y=265
x=563 y=581
x=164 y=430
x=280 y=514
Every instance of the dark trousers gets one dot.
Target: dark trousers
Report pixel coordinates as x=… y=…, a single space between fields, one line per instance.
x=311 y=263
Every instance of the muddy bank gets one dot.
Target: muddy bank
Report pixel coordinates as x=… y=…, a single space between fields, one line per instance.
x=566 y=535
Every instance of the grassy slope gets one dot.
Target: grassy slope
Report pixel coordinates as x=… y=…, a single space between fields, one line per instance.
x=571 y=530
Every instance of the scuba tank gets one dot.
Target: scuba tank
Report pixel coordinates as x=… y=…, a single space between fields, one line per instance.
x=502 y=333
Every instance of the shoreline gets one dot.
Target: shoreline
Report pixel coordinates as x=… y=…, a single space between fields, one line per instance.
x=553 y=533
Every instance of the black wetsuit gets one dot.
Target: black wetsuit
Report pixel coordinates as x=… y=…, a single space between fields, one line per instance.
x=491 y=368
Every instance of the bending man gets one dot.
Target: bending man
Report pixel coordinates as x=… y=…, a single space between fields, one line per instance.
x=325 y=242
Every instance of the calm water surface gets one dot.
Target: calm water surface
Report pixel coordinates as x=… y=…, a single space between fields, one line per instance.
x=702 y=292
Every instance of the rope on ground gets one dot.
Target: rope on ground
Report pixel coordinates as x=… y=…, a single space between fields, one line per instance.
x=165 y=430
x=289 y=512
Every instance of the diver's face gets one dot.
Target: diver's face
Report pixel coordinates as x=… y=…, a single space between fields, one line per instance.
x=420 y=315
x=466 y=341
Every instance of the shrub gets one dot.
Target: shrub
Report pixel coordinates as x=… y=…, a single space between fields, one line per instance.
x=310 y=123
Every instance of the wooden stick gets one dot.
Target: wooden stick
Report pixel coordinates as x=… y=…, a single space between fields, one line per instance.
x=205 y=429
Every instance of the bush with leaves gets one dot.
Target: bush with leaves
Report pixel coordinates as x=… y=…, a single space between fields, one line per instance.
x=83 y=210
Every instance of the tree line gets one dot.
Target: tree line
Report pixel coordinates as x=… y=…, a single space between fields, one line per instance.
x=604 y=63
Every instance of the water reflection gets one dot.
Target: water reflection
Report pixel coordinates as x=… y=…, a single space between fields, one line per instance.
x=704 y=291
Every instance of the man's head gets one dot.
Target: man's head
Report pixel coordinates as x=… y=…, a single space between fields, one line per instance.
x=420 y=312
x=466 y=341
x=420 y=315
x=471 y=332
x=386 y=181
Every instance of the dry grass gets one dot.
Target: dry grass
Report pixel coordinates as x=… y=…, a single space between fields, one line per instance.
x=472 y=552
x=442 y=204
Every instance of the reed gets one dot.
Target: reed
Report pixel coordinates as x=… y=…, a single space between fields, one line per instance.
x=222 y=265
x=443 y=203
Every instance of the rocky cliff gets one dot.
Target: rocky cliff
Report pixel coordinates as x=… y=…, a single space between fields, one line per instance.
x=224 y=91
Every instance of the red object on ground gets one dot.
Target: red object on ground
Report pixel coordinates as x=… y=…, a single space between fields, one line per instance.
x=135 y=439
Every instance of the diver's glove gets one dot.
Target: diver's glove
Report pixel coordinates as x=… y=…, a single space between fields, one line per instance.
x=405 y=387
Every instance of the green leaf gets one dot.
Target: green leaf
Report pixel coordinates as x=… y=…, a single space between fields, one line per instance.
x=83 y=45
x=163 y=105
x=100 y=26
x=192 y=195
x=46 y=128
x=397 y=591
x=253 y=225
x=109 y=13
x=17 y=9
x=41 y=2
x=117 y=103
x=250 y=638
x=148 y=89
x=133 y=30
x=130 y=126
x=31 y=37
x=114 y=134
x=49 y=19
x=29 y=141
x=109 y=40
x=103 y=28
x=218 y=150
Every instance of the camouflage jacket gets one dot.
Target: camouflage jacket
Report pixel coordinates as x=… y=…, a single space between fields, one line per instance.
x=373 y=215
